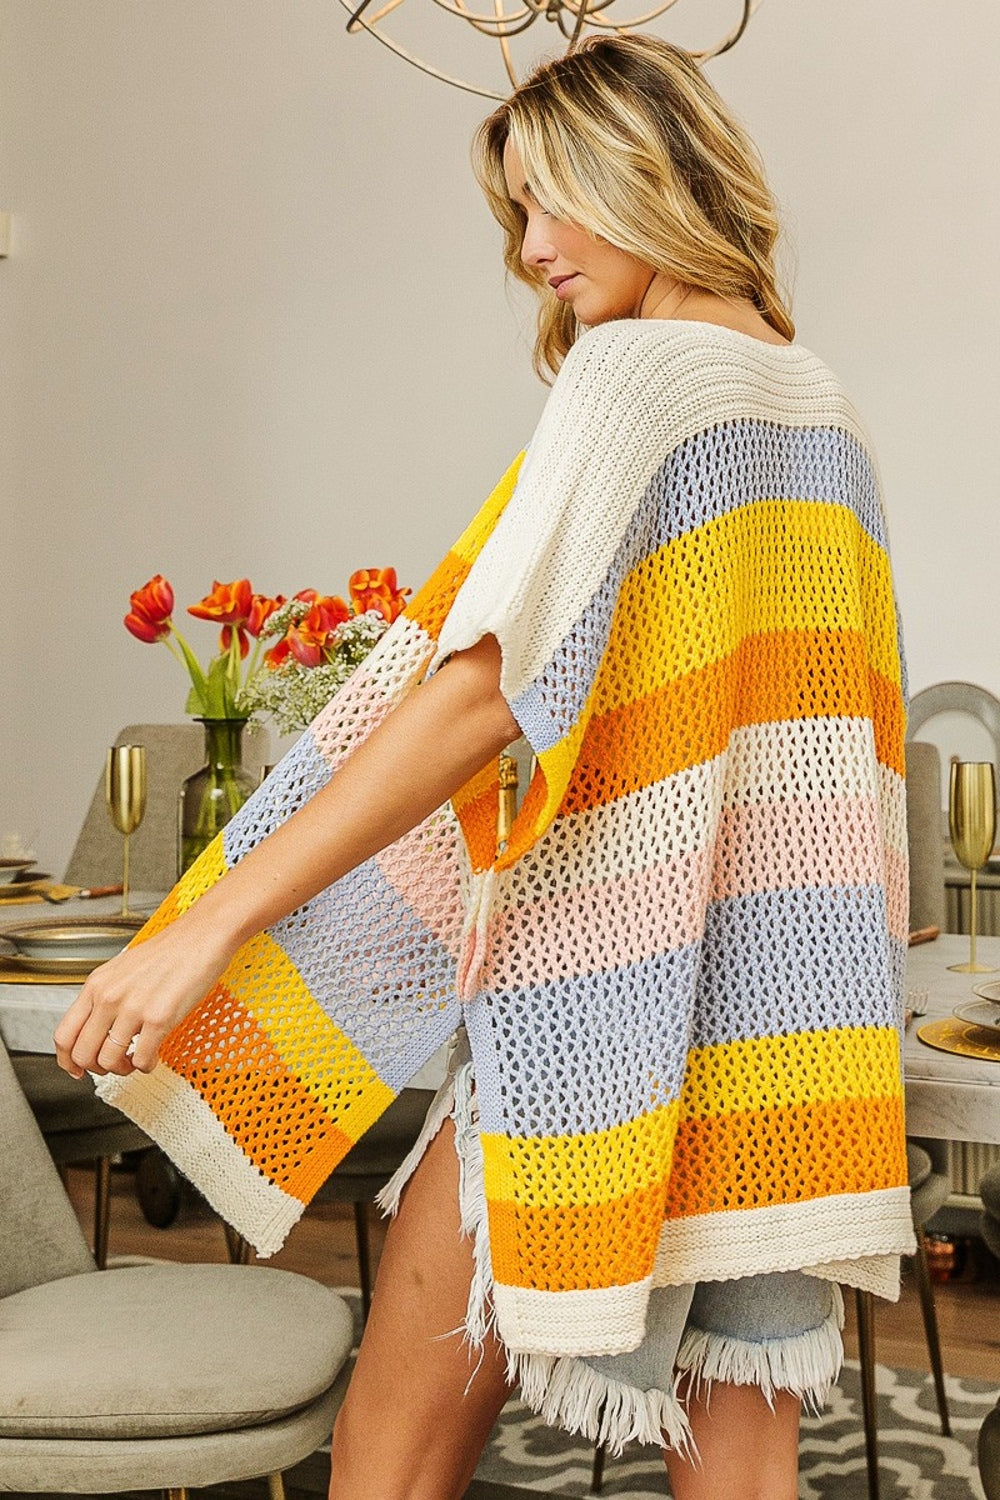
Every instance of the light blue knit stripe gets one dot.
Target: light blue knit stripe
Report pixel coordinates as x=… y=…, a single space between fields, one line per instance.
x=300 y=775
x=397 y=1014
x=770 y=965
x=710 y=476
x=399 y=1024
x=598 y=1018
x=798 y=960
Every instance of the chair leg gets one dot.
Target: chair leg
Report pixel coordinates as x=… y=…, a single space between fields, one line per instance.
x=597 y=1474
x=177 y=1494
x=929 y=1311
x=102 y=1209
x=364 y=1257
x=238 y=1249
x=865 y=1303
x=276 y=1486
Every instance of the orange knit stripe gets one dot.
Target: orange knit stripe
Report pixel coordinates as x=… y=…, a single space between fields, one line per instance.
x=760 y=682
x=889 y=716
x=431 y=603
x=475 y=807
x=253 y=1093
x=755 y=1159
x=576 y=1247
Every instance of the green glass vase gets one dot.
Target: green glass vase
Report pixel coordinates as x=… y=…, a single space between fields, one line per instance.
x=211 y=796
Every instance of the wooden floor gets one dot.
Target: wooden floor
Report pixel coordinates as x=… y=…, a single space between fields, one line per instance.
x=322 y=1246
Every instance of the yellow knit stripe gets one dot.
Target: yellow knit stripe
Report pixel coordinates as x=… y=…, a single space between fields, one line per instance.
x=599 y=1167
x=772 y=1073
x=815 y=550
x=807 y=1067
x=325 y=1061
x=557 y=764
x=476 y=534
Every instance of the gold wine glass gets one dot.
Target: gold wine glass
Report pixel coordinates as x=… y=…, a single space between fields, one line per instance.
x=125 y=795
x=972 y=822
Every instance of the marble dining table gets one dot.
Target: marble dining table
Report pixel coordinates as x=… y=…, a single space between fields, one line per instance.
x=947 y=1097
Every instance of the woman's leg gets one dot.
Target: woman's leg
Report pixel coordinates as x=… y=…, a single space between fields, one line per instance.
x=746 y=1450
x=752 y=1350
x=421 y=1404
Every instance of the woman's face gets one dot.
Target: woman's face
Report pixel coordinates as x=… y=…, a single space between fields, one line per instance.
x=599 y=281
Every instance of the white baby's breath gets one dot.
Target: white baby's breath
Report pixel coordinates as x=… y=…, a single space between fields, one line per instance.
x=293 y=694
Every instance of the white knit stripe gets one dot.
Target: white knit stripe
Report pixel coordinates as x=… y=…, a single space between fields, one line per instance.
x=675 y=817
x=846 y=1229
x=168 y=1108
x=892 y=800
x=596 y=439
x=376 y=686
x=602 y=1320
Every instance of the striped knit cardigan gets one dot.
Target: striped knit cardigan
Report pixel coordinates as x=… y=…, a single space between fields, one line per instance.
x=682 y=979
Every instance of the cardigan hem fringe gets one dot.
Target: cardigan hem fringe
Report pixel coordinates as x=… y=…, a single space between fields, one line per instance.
x=806 y=1365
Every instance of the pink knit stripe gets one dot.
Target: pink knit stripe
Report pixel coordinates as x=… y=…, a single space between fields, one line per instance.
x=436 y=901
x=897 y=889
x=601 y=926
x=768 y=846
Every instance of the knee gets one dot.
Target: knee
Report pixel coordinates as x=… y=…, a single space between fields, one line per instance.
x=363 y=1468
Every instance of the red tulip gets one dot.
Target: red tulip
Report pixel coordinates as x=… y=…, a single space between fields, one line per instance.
x=376 y=588
x=328 y=611
x=261 y=610
x=307 y=646
x=229 y=603
x=152 y=606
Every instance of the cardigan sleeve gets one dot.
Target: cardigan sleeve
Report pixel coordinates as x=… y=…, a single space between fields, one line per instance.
x=548 y=582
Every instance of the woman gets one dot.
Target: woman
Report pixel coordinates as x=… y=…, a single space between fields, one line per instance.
x=674 y=1118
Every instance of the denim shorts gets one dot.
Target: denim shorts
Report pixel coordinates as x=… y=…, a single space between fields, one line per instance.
x=779 y=1332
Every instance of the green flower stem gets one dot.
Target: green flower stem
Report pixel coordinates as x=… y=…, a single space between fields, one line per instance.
x=198 y=679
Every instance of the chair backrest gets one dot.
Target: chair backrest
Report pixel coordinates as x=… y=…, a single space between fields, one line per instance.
x=40 y=1238
x=924 y=835
x=173 y=751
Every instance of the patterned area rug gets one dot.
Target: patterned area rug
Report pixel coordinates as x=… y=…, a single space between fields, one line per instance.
x=915 y=1461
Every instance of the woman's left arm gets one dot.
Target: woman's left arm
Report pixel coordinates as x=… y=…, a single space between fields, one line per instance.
x=424 y=750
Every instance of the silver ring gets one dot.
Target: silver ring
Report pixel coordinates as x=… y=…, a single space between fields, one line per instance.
x=117 y=1043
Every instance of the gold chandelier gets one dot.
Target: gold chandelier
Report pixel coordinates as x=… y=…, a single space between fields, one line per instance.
x=511 y=18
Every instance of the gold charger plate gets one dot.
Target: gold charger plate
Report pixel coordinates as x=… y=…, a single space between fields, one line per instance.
x=27 y=971
x=962 y=1039
x=66 y=945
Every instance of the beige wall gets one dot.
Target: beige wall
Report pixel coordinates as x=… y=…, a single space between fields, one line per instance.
x=254 y=322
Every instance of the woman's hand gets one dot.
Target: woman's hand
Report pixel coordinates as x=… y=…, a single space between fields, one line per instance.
x=141 y=993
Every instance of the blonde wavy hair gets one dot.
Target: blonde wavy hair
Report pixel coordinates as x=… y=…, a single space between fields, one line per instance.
x=626 y=138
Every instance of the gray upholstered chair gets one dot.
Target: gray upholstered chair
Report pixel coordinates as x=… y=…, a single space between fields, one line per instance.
x=173 y=751
x=77 y=1126
x=925 y=835
x=149 y=1376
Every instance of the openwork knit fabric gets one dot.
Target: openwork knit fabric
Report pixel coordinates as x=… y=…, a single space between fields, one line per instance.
x=682 y=979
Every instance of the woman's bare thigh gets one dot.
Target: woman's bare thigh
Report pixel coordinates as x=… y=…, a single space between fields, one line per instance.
x=420 y=1404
